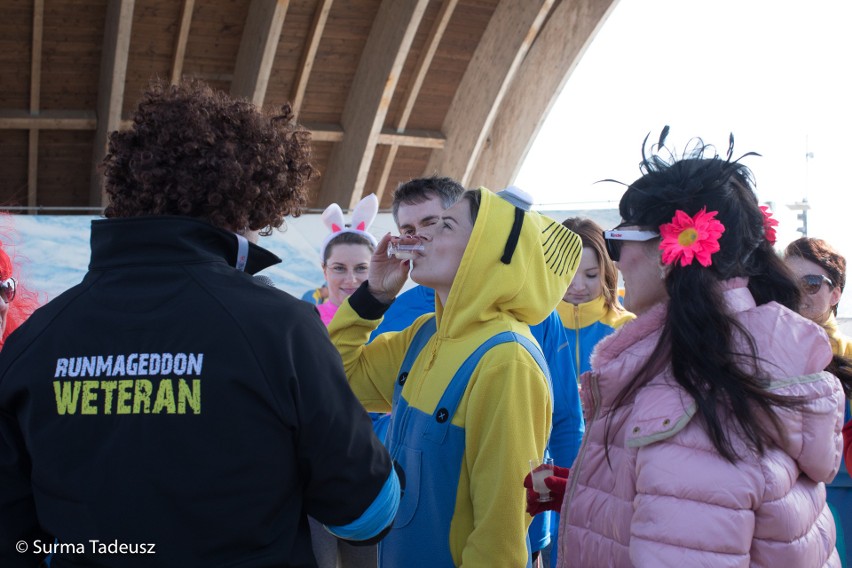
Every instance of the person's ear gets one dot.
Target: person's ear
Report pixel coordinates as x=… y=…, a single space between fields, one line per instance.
x=663 y=267
x=251 y=236
x=834 y=298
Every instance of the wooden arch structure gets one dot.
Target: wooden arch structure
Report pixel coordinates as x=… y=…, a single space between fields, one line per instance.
x=391 y=89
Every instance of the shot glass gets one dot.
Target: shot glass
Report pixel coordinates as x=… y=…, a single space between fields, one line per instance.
x=404 y=251
x=541 y=468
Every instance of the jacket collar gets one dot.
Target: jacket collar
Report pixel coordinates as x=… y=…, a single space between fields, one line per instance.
x=584 y=315
x=169 y=240
x=736 y=295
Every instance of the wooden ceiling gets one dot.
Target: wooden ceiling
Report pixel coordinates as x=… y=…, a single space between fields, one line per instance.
x=391 y=89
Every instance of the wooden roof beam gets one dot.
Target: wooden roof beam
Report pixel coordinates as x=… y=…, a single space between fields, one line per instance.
x=413 y=90
x=257 y=49
x=551 y=60
x=497 y=58
x=388 y=136
x=35 y=101
x=114 y=53
x=48 y=120
x=411 y=138
x=181 y=40
x=368 y=101
x=320 y=132
x=300 y=85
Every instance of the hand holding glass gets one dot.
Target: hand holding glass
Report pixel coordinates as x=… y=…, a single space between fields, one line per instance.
x=541 y=468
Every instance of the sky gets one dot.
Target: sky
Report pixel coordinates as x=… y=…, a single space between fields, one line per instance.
x=776 y=74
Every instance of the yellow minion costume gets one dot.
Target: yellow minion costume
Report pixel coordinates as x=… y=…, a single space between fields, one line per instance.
x=465 y=424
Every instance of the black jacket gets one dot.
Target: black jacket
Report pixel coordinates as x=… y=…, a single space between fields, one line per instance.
x=170 y=399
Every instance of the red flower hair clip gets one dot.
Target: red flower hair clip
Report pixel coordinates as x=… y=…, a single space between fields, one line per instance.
x=769 y=224
x=687 y=238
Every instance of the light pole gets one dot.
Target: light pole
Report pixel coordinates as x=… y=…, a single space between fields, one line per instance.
x=802 y=206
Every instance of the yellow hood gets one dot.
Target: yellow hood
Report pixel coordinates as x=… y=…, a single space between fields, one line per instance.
x=528 y=288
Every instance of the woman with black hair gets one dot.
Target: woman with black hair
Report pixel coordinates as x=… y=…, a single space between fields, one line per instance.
x=711 y=425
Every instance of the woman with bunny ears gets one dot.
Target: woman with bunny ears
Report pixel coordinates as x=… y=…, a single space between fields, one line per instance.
x=346 y=252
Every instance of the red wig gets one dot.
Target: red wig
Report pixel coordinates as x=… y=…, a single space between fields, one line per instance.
x=26 y=301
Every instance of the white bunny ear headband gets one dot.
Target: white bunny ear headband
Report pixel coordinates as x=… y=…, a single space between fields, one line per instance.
x=362 y=217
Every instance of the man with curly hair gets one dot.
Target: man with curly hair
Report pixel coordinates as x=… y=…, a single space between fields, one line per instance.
x=170 y=410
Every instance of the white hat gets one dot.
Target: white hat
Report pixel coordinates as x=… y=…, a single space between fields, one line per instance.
x=517 y=197
x=362 y=217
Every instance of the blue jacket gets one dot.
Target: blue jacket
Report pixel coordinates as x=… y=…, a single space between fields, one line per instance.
x=586 y=324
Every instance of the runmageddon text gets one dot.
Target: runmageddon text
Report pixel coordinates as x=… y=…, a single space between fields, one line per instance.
x=113 y=384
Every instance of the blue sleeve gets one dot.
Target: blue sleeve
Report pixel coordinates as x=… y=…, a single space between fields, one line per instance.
x=539 y=531
x=407 y=307
x=378 y=516
x=568 y=424
x=381 y=421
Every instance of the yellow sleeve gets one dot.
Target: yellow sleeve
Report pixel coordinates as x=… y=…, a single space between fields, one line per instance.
x=508 y=422
x=370 y=368
x=618 y=319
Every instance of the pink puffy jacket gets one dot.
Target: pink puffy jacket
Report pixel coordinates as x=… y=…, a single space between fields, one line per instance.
x=667 y=497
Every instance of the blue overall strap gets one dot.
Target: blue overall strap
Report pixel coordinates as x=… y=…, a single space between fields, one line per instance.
x=438 y=427
x=446 y=407
x=419 y=538
x=421 y=338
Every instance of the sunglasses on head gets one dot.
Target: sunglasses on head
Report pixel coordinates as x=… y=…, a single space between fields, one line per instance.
x=616 y=237
x=7 y=289
x=811 y=283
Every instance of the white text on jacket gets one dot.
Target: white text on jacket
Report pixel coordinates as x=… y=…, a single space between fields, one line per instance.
x=162 y=394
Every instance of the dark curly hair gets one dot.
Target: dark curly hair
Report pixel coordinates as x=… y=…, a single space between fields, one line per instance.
x=197 y=152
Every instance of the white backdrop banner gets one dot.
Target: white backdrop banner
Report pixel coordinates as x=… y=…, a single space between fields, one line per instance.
x=53 y=251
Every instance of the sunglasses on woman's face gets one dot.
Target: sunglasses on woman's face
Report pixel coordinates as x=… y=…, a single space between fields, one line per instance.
x=7 y=289
x=615 y=238
x=811 y=283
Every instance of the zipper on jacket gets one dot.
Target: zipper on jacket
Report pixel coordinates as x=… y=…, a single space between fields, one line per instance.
x=577 y=346
x=433 y=354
